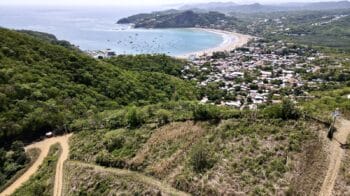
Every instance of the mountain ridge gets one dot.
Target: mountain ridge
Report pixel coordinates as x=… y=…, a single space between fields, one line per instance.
x=227 y=7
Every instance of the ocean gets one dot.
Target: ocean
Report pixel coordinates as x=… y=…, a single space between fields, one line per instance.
x=95 y=28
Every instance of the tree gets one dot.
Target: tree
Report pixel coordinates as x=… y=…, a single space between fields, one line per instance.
x=19 y=155
x=288 y=110
x=206 y=112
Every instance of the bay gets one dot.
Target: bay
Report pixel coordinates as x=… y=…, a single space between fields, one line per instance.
x=95 y=28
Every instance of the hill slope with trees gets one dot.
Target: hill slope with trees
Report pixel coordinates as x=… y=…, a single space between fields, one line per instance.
x=178 y=19
x=44 y=86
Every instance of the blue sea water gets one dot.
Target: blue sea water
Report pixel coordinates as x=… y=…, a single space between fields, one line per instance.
x=95 y=28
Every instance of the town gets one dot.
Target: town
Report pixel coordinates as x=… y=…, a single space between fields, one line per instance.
x=261 y=72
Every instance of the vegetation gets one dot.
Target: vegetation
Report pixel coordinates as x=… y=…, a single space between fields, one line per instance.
x=206 y=112
x=136 y=113
x=321 y=28
x=50 y=38
x=231 y=7
x=236 y=153
x=12 y=161
x=327 y=101
x=32 y=156
x=150 y=63
x=201 y=158
x=161 y=114
x=176 y=18
x=286 y=111
x=42 y=183
x=44 y=87
x=87 y=179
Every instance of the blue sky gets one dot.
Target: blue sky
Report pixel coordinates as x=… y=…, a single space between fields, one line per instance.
x=134 y=2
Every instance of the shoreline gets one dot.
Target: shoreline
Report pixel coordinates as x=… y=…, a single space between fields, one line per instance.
x=231 y=40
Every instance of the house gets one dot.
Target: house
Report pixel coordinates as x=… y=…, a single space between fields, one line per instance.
x=236 y=104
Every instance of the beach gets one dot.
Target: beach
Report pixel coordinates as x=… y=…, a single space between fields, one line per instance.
x=231 y=40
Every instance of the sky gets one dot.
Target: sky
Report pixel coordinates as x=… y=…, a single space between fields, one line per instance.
x=135 y=2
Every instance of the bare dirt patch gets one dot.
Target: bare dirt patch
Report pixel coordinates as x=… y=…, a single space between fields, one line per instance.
x=336 y=154
x=44 y=147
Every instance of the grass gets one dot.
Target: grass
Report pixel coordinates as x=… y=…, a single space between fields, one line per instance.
x=88 y=179
x=33 y=154
x=250 y=156
x=89 y=145
x=327 y=102
x=42 y=183
x=159 y=114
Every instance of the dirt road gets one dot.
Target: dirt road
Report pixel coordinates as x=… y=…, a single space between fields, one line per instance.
x=44 y=147
x=59 y=168
x=165 y=188
x=336 y=156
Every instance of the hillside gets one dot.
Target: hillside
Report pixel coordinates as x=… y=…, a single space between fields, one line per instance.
x=49 y=38
x=44 y=86
x=137 y=128
x=335 y=34
x=176 y=19
x=231 y=7
x=232 y=157
x=326 y=28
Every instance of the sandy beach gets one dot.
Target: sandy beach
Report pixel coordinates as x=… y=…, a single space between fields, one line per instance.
x=231 y=40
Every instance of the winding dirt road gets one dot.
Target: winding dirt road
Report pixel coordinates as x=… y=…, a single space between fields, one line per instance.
x=44 y=147
x=336 y=156
x=59 y=168
x=165 y=188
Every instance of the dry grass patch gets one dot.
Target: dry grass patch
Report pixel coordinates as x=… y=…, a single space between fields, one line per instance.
x=167 y=147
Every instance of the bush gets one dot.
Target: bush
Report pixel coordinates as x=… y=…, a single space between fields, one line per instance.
x=114 y=143
x=135 y=118
x=206 y=112
x=289 y=111
x=104 y=159
x=285 y=111
x=12 y=161
x=163 y=116
x=201 y=158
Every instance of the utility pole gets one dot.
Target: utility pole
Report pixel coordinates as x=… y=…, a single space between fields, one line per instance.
x=331 y=129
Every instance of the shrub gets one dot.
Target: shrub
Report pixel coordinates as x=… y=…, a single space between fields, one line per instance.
x=201 y=158
x=163 y=116
x=135 y=118
x=104 y=159
x=206 y=112
x=118 y=120
x=285 y=111
x=289 y=111
x=115 y=143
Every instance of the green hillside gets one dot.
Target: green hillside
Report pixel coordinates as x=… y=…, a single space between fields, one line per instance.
x=176 y=19
x=44 y=86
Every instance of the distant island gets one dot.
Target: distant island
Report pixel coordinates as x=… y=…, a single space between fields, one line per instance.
x=180 y=19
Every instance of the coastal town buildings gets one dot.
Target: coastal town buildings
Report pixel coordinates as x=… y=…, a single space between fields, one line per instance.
x=260 y=72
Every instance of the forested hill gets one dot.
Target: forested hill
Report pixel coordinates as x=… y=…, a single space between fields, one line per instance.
x=50 y=38
x=44 y=86
x=179 y=19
